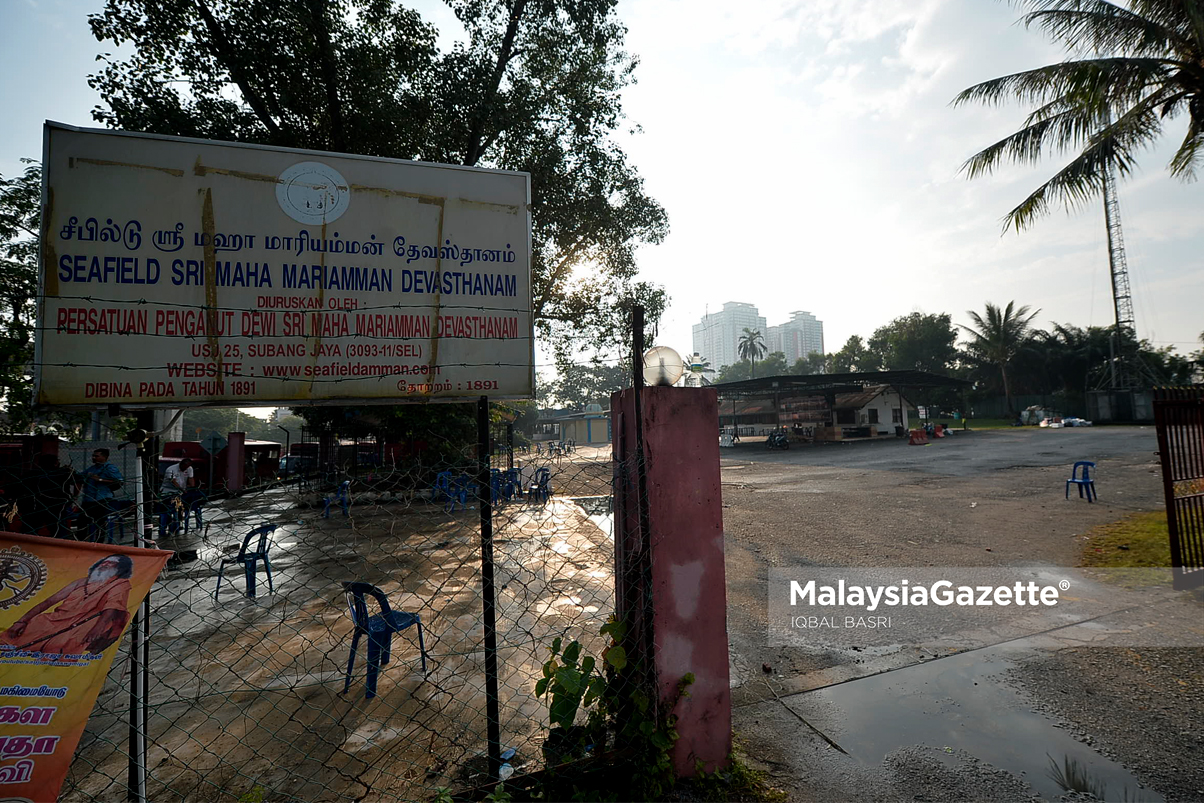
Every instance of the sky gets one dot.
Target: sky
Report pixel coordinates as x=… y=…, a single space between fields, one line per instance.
x=808 y=158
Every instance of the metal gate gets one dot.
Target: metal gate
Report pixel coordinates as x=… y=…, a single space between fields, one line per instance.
x=1179 y=418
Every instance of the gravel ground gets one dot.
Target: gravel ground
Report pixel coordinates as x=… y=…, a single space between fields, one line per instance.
x=1143 y=708
x=978 y=499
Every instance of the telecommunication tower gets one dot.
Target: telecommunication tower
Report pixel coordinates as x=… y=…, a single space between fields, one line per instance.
x=1127 y=370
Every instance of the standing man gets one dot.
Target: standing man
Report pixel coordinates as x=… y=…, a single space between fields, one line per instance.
x=100 y=480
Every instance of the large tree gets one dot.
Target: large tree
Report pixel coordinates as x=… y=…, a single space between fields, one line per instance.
x=853 y=356
x=1130 y=69
x=20 y=222
x=20 y=216
x=814 y=363
x=774 y=364
x=915 y=342
x=997 y=337
x=583 y=383
x=534 y=85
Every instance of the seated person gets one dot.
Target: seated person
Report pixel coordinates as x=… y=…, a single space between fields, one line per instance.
x=177 y=479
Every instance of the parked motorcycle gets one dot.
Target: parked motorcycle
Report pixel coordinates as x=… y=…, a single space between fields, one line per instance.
x=777 y=440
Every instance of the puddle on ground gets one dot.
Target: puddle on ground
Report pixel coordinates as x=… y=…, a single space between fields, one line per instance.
x=960 y=703
x=599 y=510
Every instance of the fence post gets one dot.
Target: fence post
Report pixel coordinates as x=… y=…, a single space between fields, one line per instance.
x=139 y=636
x=485 y=500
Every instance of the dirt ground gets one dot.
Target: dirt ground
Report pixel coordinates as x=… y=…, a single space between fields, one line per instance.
x=992 y=498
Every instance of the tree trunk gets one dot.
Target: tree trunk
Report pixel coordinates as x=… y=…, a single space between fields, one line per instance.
x=1007 y=391
x=229 y=58
x=473 y=150
x=330 y=75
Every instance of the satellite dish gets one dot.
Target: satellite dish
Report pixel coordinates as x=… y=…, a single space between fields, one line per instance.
x=662 y=366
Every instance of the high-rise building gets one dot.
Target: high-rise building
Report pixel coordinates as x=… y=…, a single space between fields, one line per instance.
x=717 y=336
x=798 y=337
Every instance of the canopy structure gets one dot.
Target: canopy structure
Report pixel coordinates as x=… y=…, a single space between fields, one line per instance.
x=846 y=403
x=825 y=384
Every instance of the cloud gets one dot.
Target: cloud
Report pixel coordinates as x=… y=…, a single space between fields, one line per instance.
x=809 y=159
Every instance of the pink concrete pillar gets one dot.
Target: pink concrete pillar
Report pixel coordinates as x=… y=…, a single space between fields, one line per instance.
x=236 y=461
x=680 y=559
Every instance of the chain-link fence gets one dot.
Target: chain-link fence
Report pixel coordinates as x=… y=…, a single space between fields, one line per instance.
x=274 y=687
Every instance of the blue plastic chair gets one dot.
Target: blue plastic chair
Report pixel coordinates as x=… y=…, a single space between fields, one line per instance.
x=114 y=522
x=442 y=492
x=379 y=629
x=170 y=508
x=512 y=485
x=497 y=486
x=463 y=489
x=1084 y=480
x=194 y=503
x=343 y=496
x=249 y=558
x=541 y=486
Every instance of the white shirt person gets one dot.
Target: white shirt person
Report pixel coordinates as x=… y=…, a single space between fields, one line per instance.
x=177 y=478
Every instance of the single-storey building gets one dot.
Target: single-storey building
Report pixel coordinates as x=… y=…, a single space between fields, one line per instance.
x=589 y=427
x=828 y=406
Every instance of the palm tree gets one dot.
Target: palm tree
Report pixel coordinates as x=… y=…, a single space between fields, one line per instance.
x=998 y=338
x=1130 y=69
x=751 y=347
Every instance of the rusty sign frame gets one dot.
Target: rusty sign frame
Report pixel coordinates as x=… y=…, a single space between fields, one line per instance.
x=441 y=276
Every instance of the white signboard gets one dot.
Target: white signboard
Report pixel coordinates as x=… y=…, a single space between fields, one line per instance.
x=183 y=272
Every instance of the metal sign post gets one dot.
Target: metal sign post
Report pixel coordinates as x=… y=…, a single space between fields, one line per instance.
x=139 y=646
x=488 y=593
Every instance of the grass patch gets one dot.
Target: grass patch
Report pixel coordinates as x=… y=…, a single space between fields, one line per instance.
x=969 y=423
x=989 y=423
x=739 y=781
x=1138 y=541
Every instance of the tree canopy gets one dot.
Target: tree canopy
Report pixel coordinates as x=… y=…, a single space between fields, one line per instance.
x=530 y=85
x=853 y=356
x=813 y=363
x=915 y=342
x=20 y=216
x=1131 y=69
x=774 y=364
x=581 y=384
x=534 y=85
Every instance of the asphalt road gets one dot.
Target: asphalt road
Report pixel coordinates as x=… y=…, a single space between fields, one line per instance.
x=964 y=454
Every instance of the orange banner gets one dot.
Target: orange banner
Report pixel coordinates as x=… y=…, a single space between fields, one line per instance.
x=64 y=606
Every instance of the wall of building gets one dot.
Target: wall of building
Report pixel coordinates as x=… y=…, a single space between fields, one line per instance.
x=717 y=336
x=587 y=430
x=886 y=403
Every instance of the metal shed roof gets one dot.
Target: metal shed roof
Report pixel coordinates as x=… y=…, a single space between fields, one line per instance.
x=835 y=383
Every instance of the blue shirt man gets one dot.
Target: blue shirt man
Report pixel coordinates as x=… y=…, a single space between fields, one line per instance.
x=100 y=480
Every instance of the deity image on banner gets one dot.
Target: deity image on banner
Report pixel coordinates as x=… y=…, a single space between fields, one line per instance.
x=83 y=618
